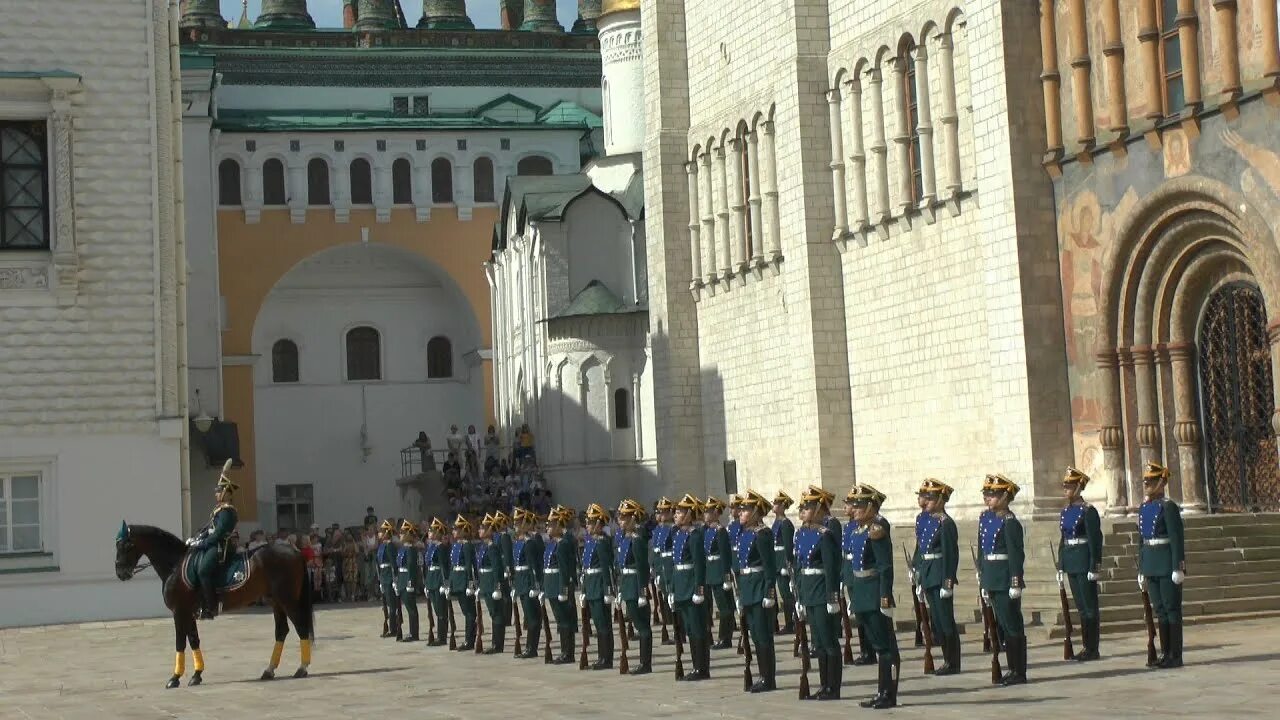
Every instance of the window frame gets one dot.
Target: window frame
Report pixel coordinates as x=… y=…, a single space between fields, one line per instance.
x=432 y=360
x=396 y=197
x=347 y=356
x=239 y=183
x=1167 y=29
x=42 y=140
x=438 y=196
x=297 y=362
x=911 y=100
x=351 y=182
x=620 y=421
x=6 y=513
x=312 y=185
x=477 y=184
x=284 y=184
x=293 y=502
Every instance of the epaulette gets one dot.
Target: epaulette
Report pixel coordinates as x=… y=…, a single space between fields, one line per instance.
x=876 y=531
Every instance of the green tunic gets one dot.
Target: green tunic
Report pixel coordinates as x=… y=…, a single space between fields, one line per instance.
x=632 y=564
x=214 y=549
x=1000 y=539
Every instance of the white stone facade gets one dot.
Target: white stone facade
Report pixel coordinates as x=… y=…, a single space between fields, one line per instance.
x=91 y=401
x=622 y=88
x=908 y=325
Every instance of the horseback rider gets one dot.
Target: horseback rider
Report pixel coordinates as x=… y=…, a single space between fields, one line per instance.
x=213 y=547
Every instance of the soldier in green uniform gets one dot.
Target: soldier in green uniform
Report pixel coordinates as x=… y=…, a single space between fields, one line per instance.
x=1080 y=557
x=1000 y=574
x=559 y=565
x=1162 y=561
x=526 y=577
x=491 y=580
x=866 y=655
x=755 y=568
x=868 y=556
x=817 y=592
x=435 y=560
x=385 y=560
x=660 y=557
x=598 y=583
x=409 y=577
x=502 y=536
x=462 y=579
x=936 y=562
x=719 y=552
x=784 y=533
x=213 y=547
x=632 y=564
x=687 y=591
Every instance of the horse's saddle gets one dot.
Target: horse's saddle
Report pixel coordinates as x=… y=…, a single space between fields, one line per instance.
x=235 y=572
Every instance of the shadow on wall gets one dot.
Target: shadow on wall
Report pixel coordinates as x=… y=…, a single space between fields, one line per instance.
x=717 y=465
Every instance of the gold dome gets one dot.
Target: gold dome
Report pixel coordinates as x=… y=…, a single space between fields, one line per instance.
x=613 y=6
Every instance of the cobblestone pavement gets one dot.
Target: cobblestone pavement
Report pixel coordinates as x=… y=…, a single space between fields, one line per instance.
x=118 y=670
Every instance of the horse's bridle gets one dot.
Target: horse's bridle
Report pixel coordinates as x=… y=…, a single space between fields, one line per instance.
x=136 y=568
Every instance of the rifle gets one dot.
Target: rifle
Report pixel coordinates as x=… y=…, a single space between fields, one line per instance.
x=848 y=631
x=1151 y=629
x=924 y=625
x=744 y=642
x=515 y=609
x=623 y=645
x=662 y=611
x=453 y=629
x=546 y=633
x=586 y=635
x=657 y=605
x=802 y=639
x=990 y=640
x=1068 y=652
x=679 y=647
x=431 y=614
x=479 y=622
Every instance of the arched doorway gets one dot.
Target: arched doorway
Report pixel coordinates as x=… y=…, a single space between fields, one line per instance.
x=1237 y=401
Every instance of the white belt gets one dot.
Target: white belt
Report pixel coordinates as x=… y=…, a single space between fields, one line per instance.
x=384 y=565
x=628 y=571
x=592 y=571
x=779 y=548
x=712 y=557
x=486 y=570
x=930 y=556
x=848 y=556
x=812 y=571
x=684 y=566
x=750 y=570
x=1077 y=541
x=665 y=554
x=432 y=567
x=996 y=556
x=1155 y=541
x=522 y=568
x=865 y=573
x=551 y=571
x=459 y=567
x=404 y=569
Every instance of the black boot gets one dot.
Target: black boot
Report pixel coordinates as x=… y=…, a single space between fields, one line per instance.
x=725 y=632
x=1164 y=646
x=566 y=648
x=1017 y=658
x=768 y=671
x=386 y=625
x=209 y=596
x=822 y=679
x=646 y=657
x=950 y=655
x=835 y=676
x=1173 y=658
x=789 y=619
x=1089 y=629
x=604 y=653
x=696 y=645
x=883 y=678
x=531 y=641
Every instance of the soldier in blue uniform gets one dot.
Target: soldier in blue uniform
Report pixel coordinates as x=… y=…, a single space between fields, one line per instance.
x=599 y=587
x=462 y=579
x=817 y=590
x=491 y=580
x=784 y=533
x=1162 y=561
x=866 y=654
x=687 y=594
x=435 y=564
x=559 y=570
x=1080 y=558
x=755 y=569
x=502 y=536
x=526 y=577
x=936 y=563
x=868 y=555
x=385 y=559
x=1000 y=574
x=409 y=577
x=660 y=557
x=718 y=548
x=632 y=564
x=213 y=546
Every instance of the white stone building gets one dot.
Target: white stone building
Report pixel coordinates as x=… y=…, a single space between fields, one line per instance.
x=92 y=398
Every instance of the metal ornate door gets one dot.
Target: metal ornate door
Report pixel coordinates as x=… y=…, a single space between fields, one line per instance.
x=1237 y=401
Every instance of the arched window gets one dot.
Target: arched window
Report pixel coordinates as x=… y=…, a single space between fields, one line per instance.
x=621 y=409
x=273 y=193
x=439 y=357
x=441 y=181
x=401 y=183
x=361 y=182
x=534 y=165
x=284 y=361
x=1170 y=57
x=317 y=182
x=364 y=354
x=482 y=176
x=228 y=182
x=608 y=118
x=907 y=56
x=743 y=137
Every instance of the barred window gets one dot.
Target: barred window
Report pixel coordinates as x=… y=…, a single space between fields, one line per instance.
x=284 y=361
x=482 y=177
x=361 y=182
x=364 y=354
x=401 y=182
x=228 y=182
x=273 y=183
x=24 y=196
x=441 y=181
x=1170 y=57
x=317 y=182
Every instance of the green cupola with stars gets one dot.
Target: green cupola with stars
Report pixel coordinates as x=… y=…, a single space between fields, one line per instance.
x=445 y=15
x=284 y=15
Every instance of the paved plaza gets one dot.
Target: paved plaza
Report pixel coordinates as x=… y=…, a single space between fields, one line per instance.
x=117 y=670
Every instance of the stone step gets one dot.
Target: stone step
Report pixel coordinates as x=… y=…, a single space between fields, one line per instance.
x=1189 y=595
x=1120 y=586
x=1200 y=533
x=1202 y=544
x=1233 y=520
x=1055 y=632
x=1203 y=559
x=1190 y=608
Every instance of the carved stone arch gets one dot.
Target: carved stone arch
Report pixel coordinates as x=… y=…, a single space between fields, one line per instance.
x=955 y=17
x=926 y=31
x=840 y=77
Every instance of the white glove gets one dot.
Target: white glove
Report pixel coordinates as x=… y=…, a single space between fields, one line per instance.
x=671 y=600
x=726 y=586
x=535 y=594
x=920 y=593
x=1178 y=577
x=562 y=598
x=497 y=595
x=608 y=599
x=408 y=588
x=800 y=613
x=1142 y=583
x=767 y=602
x=1061 y=577
x=945 y=592
x=1015 y=593
x=697 y=599
x=657 y=582
x=541 y=596
x=470 y=591
x=642 y=601
x=191 y=542
x=985 y=596
x=784 y=572
x=1093 y=576
x=977 y=576
x=887 y=612
x=582 y=599
x=833 y=608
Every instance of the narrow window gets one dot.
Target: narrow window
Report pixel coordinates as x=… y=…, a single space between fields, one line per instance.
x=20 y=513
x=317 y=182
x=1170 y=57
x=364 y=354
x=284 y=361
x=401 y=182
x=361 y=182
x=229 y=182
x=24 y=202
x=273 y=194
x=908 y=60
x=621 y=409
x=441 y=181
x=482 y=176
x=294 y=507
x=439 y=358
x=743 y=136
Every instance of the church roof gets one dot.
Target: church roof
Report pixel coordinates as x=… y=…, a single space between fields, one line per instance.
x=595 y=299
x=264 y=120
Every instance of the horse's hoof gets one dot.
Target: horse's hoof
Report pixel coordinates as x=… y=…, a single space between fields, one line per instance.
x=174 y=682
x=268 y=674
x=195 y=680
x=301 y=673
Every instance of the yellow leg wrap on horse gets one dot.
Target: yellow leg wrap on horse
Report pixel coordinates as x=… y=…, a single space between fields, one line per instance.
x=180 y=664
x=199 y=660
x=306 y=652
x=276 y=651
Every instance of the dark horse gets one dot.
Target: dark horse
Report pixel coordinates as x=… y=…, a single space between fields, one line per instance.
x=276 y=572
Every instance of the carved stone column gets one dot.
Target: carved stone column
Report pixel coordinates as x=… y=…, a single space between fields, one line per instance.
x=376 y=15
x=66 y=257
x=1149 y=38
x=1081 y=66
x=201 y=14
x=1110 y=434
x=769 y=186
x=857 y=154
x=1113 y=51
x=950 y=118
x=588 y=14
x=734 y=171
x=1266 y=19
x=540 y=16
x=1148 y=407
x=382 y=190
x=1228 y=45
x=720 y=175
x=296 y=190
x=1050 y=79
x=284 y=15
x=838 y=189
x=439 y=15
x=879 y=148
x=708 y=218
x=1186 y=426
x=695 y=226
x=902 y=134
x=755 y=200
x=636 y=416
x=924 y=127
x=1188 y=23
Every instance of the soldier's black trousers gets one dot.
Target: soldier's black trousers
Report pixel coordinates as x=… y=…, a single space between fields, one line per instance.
x=498 y=615
x=467 y=605
x=1008 y=614
x=641 y=619
x=942 y=612
x=531 y=615
x=725 y=608
x=440 y=602
x=760 y=626
x=390 y=606
x=1166 y=599
x=409 y=603
x=1085 y=593
x=880 y=634
x=601 y=620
